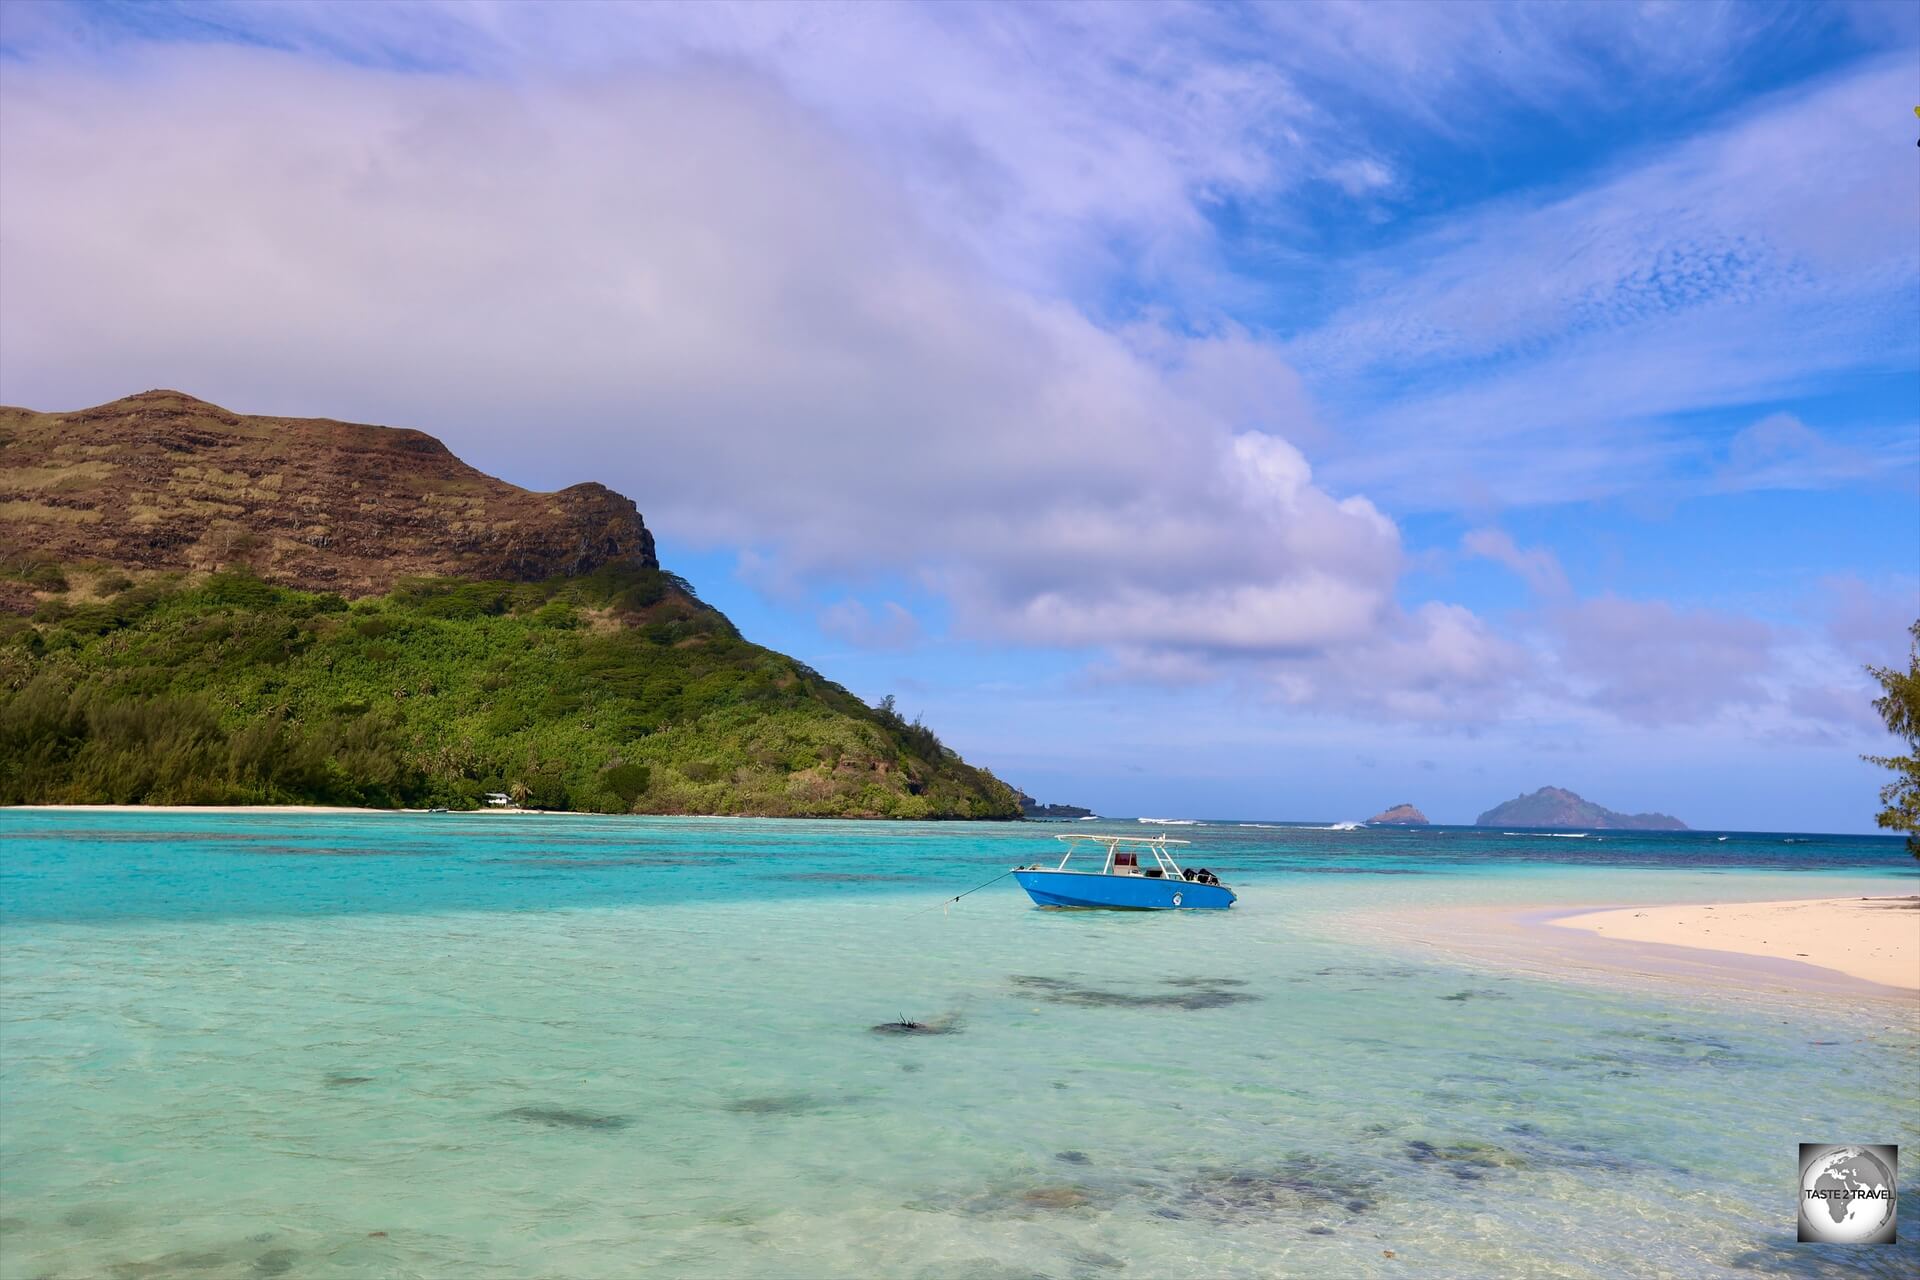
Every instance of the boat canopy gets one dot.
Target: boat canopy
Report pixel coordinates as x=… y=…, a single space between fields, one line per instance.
x=1123 y=854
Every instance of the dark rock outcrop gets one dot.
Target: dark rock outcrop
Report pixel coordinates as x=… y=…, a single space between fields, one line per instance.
x=163 y=481
x=1401 y=815
x=1031 y=808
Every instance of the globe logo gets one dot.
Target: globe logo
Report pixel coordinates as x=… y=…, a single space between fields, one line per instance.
x=1848 y=1195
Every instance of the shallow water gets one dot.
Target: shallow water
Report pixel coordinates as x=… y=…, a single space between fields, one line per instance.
x=480 y=1046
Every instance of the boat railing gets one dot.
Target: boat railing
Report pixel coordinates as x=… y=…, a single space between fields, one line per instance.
x=1154 y=845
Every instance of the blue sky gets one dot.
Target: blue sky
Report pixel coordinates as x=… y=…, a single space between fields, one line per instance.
x=1238 y=410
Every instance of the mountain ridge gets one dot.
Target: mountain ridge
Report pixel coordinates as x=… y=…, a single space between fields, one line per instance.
x=162 y=480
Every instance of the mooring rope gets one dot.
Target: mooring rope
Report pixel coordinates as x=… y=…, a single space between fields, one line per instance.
x=944 y=903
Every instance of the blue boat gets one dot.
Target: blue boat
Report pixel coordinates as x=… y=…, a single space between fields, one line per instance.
x=1137 y=873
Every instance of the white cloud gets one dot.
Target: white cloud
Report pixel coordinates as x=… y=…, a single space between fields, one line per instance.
x=681 y=285
x=1438 y=664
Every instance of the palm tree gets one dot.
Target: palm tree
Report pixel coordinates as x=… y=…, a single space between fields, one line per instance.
x=1899 y=706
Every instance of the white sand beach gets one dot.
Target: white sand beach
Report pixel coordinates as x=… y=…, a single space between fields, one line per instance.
x=1873 y=939
x=1846 y=947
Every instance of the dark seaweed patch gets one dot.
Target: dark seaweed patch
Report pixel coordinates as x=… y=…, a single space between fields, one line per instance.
x=789 y=1104
x=1020 y=1201
x=337 y=1081
x=1059 y=992
x=1073 y=1157
x=1466 y=1161
x=1299 y=1184
x=563 y=1118
x=1476 y=995
x=274 y=1262
x=168 y=1265
x=946 y=1026
x=1364 y=971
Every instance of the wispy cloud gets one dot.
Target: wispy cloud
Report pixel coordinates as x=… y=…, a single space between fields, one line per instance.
x=1542 y=350
x=1782 y=452
x=1538 y=567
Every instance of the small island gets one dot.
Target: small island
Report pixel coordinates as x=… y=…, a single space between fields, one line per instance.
x=1558 y=807
x=1401 y=815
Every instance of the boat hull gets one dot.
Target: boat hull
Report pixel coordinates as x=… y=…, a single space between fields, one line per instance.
x=1121 y=893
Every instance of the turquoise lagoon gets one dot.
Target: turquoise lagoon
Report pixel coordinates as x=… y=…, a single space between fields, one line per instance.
x=491 y=1046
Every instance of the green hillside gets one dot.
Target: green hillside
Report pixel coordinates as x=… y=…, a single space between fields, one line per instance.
x=614 y=692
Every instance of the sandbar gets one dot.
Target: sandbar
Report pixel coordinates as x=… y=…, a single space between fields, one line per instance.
x=1873 y=939
x=1824 y=948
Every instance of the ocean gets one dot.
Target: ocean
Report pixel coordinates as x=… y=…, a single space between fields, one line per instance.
x=517 y=1046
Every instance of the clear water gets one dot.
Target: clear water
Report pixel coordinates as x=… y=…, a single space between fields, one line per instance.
x=477 y=1046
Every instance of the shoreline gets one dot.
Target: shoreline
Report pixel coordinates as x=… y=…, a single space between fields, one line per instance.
x=1807 y=946
x=197 y=808
x=1874 y=940
x=242 y=810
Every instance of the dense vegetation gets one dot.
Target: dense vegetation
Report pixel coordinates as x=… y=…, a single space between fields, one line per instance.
x=616 y=692
x=1899 y=706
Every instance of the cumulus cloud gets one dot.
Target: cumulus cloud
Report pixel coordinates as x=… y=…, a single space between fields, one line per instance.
x=681 y=285
x=1438 y=664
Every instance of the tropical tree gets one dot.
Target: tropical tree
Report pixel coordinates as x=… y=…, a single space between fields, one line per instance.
x=1899 y=706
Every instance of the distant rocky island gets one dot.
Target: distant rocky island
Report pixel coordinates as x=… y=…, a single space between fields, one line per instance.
x=1558 y=807
x=205 y=607
x=1401 y=815
x=1031 y=808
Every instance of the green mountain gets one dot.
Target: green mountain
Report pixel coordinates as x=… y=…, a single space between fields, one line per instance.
x=1556 y=807
x=201 y=608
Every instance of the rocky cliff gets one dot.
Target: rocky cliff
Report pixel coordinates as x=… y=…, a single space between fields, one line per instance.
x=1560 y=808
x=1401 y=815
x=161 y=480
x=1031 y=808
